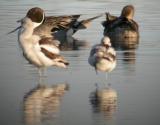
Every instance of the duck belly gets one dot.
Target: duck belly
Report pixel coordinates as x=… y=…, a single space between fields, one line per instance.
x=105 y=65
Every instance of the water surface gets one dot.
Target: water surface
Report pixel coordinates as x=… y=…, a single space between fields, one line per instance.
x=135 y=81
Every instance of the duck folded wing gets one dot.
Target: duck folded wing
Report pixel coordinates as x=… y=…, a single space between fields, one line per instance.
x=49 y=54
x=50 y=45
x=60 y=22
x=58 y=59
x=134 y=25
x=123 y=22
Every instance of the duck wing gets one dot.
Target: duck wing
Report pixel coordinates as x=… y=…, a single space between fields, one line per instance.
x=78 y=25
x=109 y=20
x=83 y=24
x=49 y=48
x=55 y=23
x=123 y=22
x=49 y=44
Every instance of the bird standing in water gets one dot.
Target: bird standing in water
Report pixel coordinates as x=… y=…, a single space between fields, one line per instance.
x=39 y=51
x=103 y=56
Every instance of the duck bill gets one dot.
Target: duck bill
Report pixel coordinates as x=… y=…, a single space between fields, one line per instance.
x=14 y=30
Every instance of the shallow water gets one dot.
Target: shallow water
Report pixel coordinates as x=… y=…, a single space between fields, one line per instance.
x=134 y=84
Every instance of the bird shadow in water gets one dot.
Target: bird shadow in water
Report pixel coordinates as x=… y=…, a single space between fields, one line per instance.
x=42 y=103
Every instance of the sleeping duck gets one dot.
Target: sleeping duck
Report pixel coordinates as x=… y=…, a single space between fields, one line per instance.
x=123 y=26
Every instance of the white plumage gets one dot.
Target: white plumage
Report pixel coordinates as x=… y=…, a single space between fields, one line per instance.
x=40 y=51
x=103 y=56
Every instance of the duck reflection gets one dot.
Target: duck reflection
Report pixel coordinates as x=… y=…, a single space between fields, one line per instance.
x=42 y=103
x=129 y=56
x=128 y=46
x=125 y=43
x=104 y=101
x=71 y=43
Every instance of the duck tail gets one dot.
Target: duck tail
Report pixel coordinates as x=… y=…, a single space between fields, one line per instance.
x=87 y=22
x=75 y=16
x=84 y=24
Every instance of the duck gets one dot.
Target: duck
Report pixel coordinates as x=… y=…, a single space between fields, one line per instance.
x=103 y=56
x=60 y=27
x=122 y=27
x=65 y=26
x=42 y=52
